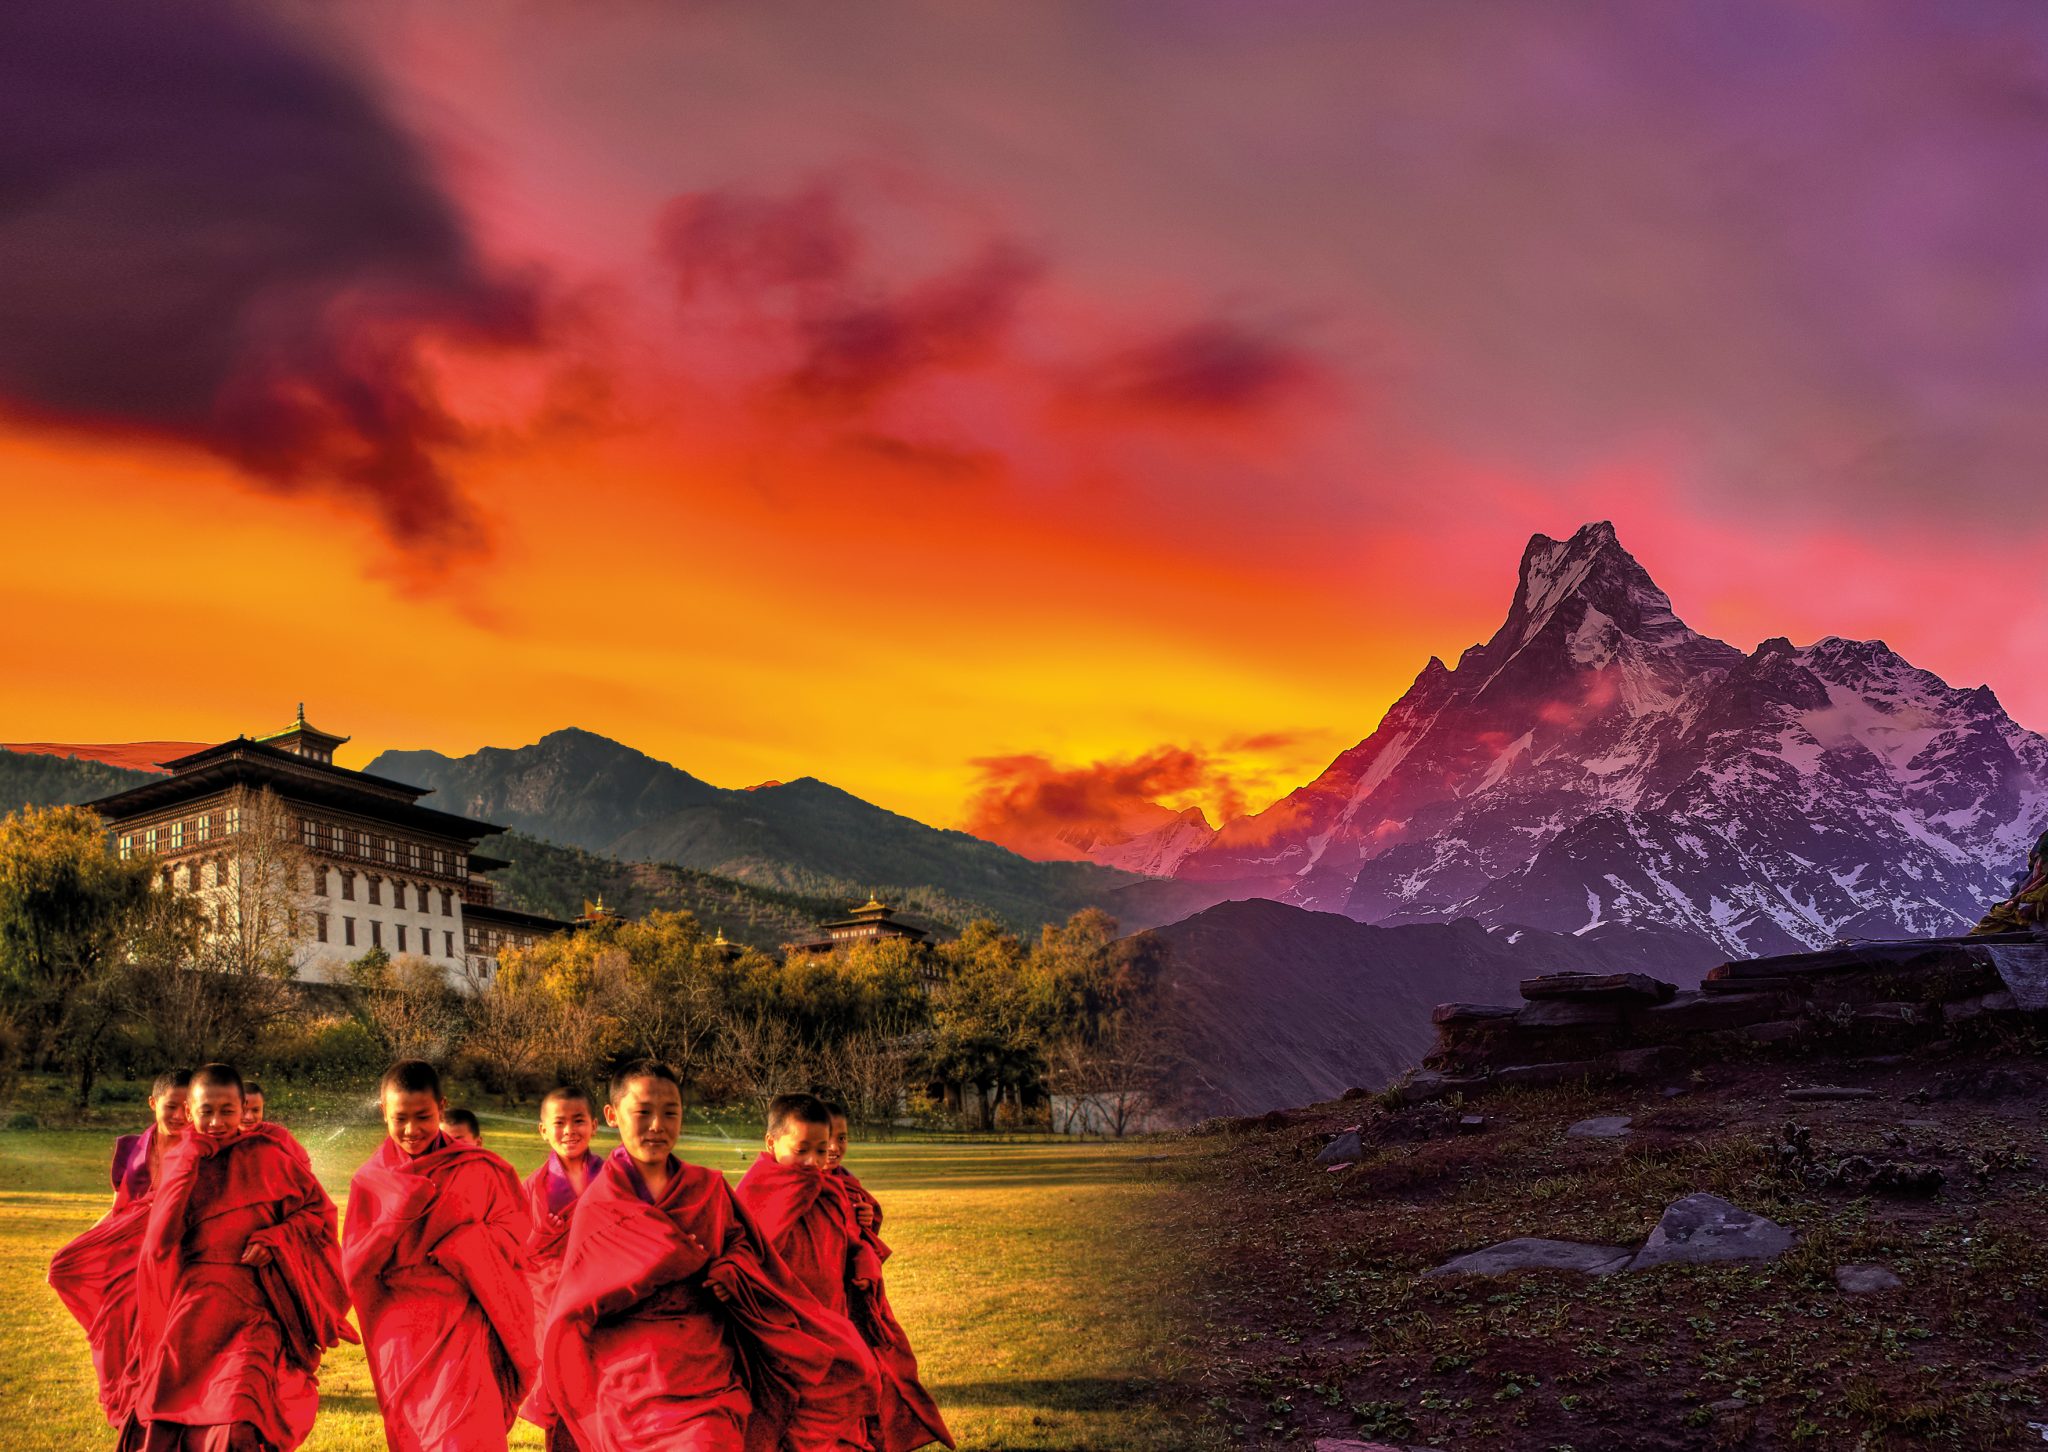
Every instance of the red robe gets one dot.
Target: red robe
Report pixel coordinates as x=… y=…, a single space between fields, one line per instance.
x=221 y=1342
x=550 y=1204
x=436 y=1261
x=640 y=1355
x=808 y=1216
x=94 y=1276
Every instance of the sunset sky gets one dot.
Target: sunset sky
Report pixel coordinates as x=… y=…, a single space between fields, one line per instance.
x=938 y=398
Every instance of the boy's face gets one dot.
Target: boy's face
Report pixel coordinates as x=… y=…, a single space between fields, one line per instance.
x=412 y=1117
x=838 y=1150
x=252 y=1110
x=173 y=1111
x=458 y=1130
x=649 y=1118
x=217 y=1110
x=566 y=1125
x=801 y=1142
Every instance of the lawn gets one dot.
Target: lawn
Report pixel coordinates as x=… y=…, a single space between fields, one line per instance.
x=1023 y=1271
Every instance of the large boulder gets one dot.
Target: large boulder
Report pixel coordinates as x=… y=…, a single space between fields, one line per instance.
x=1533 y=1253
x=1705 y=1228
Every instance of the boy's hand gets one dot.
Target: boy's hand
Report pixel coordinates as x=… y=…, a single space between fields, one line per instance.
x=865 y=1286
x=256 y=1254
x=864 y=1215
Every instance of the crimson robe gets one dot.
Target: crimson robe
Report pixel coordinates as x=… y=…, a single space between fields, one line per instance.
x=94 y=1276
x=550 y=1204
x=808 y=1215
x=222 y=1343
x=641 y=1355
x=435 y=1253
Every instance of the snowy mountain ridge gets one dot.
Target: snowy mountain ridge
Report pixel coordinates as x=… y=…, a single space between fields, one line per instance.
x=1598 y=764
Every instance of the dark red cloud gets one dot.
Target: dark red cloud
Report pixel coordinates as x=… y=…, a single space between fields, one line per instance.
x=1036 y=807
x=211 y=234
x=1212 y=369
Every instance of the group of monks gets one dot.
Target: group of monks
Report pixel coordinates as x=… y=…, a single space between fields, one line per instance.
x=624 y=1303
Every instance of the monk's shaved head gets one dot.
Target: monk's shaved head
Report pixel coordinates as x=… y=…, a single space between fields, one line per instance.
x=171 y=1081
x=411 y=1076
x=808 y=1108
x=642 y=1069
x=216 y=1076
x=562 y=1093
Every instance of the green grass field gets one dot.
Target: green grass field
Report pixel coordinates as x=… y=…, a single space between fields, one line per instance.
x=1024 y=1273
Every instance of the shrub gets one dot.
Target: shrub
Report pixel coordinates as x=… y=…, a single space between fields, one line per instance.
x=326 y=1053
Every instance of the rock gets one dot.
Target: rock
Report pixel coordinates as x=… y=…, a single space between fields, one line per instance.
x=1962 y=1010
x=1466 y=1015
x=1535 y=1075
x=1703 y=1228
x=1717 y=987
x=1568 y=1013
x=1877 y=1015
x=1605 y=1126
x=1776 y=1031
x=1427 y=1084
x=1813 y=1092
x=1696 y=1013
x=1472 y=1124
x=1532 y=1253
x=1620 y=987
x=1644 y=1063
x=1345 y=1149
x=1863 y=1280
x=1728 y=1407
x=1673 y=1091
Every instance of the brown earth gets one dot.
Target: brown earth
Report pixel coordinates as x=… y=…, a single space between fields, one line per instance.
x=1308 y=1316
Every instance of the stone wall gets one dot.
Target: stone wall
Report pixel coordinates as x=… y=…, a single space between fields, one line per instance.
x=1629 y=1025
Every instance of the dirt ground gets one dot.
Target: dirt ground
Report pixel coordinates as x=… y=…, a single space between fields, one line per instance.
x=1310 y=1317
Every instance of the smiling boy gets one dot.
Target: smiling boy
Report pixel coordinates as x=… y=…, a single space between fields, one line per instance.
x=672 y=1318
x=552 y=1192
x=238 y=1288
x=436 y=1262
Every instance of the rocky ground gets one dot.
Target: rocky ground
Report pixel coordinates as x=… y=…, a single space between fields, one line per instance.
x=1327 y=1309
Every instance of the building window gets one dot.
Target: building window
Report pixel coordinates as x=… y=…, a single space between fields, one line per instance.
x=440 y=858
x=233 y=823
x=401 y=937
x=203 y=830
x=391 y=850
x=320 y=882
x=412 y=855
x=376 y=891
x=348 y=931
x=398 y=895
x=149 y=840
x=348 y=887
x=309 y=832
x=127 y=848
x=462 y=868
x=448 y=938
x=178 y=836
x=447 y=902
x=320 y=926
x=376 y=933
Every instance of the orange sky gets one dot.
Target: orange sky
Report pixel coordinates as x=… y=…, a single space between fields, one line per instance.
x=875 y=426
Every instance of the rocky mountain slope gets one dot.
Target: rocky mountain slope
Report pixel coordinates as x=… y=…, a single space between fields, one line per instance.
x=1599 y=765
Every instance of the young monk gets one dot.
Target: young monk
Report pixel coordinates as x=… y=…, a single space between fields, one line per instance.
x=461 y=1126
x=436 y=1263
x=910 y=1418
x=566 y=1125
x=94 y=1275
x=823 y=1223
x=252 y=1104
x=673 y=1323
x=238 y=1288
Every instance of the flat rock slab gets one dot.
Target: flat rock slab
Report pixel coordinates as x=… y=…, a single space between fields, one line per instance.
x=1813 y=1092
x=1604 y=1126
x=1625 y=987
x=1531 y=1253
x=1862 y=1280
x=1345 y=1149
x=1704 y=1228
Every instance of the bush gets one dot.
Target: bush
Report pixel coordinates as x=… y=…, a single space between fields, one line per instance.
x=326 y=1053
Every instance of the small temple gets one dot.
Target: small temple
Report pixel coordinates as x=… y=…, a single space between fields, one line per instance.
x=871 y=921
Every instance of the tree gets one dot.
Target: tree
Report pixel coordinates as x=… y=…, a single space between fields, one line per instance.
x=407 y=1004
x=984 y=1034
x=67 y=906
x=259 y=897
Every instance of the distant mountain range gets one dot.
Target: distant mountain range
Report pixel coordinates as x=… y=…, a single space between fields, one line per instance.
x=140 y=756
x=1287 y=1006
x=1599 y=766
x=803 y=837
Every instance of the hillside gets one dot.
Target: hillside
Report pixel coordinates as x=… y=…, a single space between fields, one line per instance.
x=36 y=779
x=1288 y=1006
x=803 y=837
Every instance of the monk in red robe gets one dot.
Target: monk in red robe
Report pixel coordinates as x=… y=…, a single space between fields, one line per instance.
x=909 y=1417
x=813 y=1220
x=238 y=1288
x=566 y=1125
x=435 y=1253
x=673 y=1320
x=252 y=1104
x=95 y=1274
